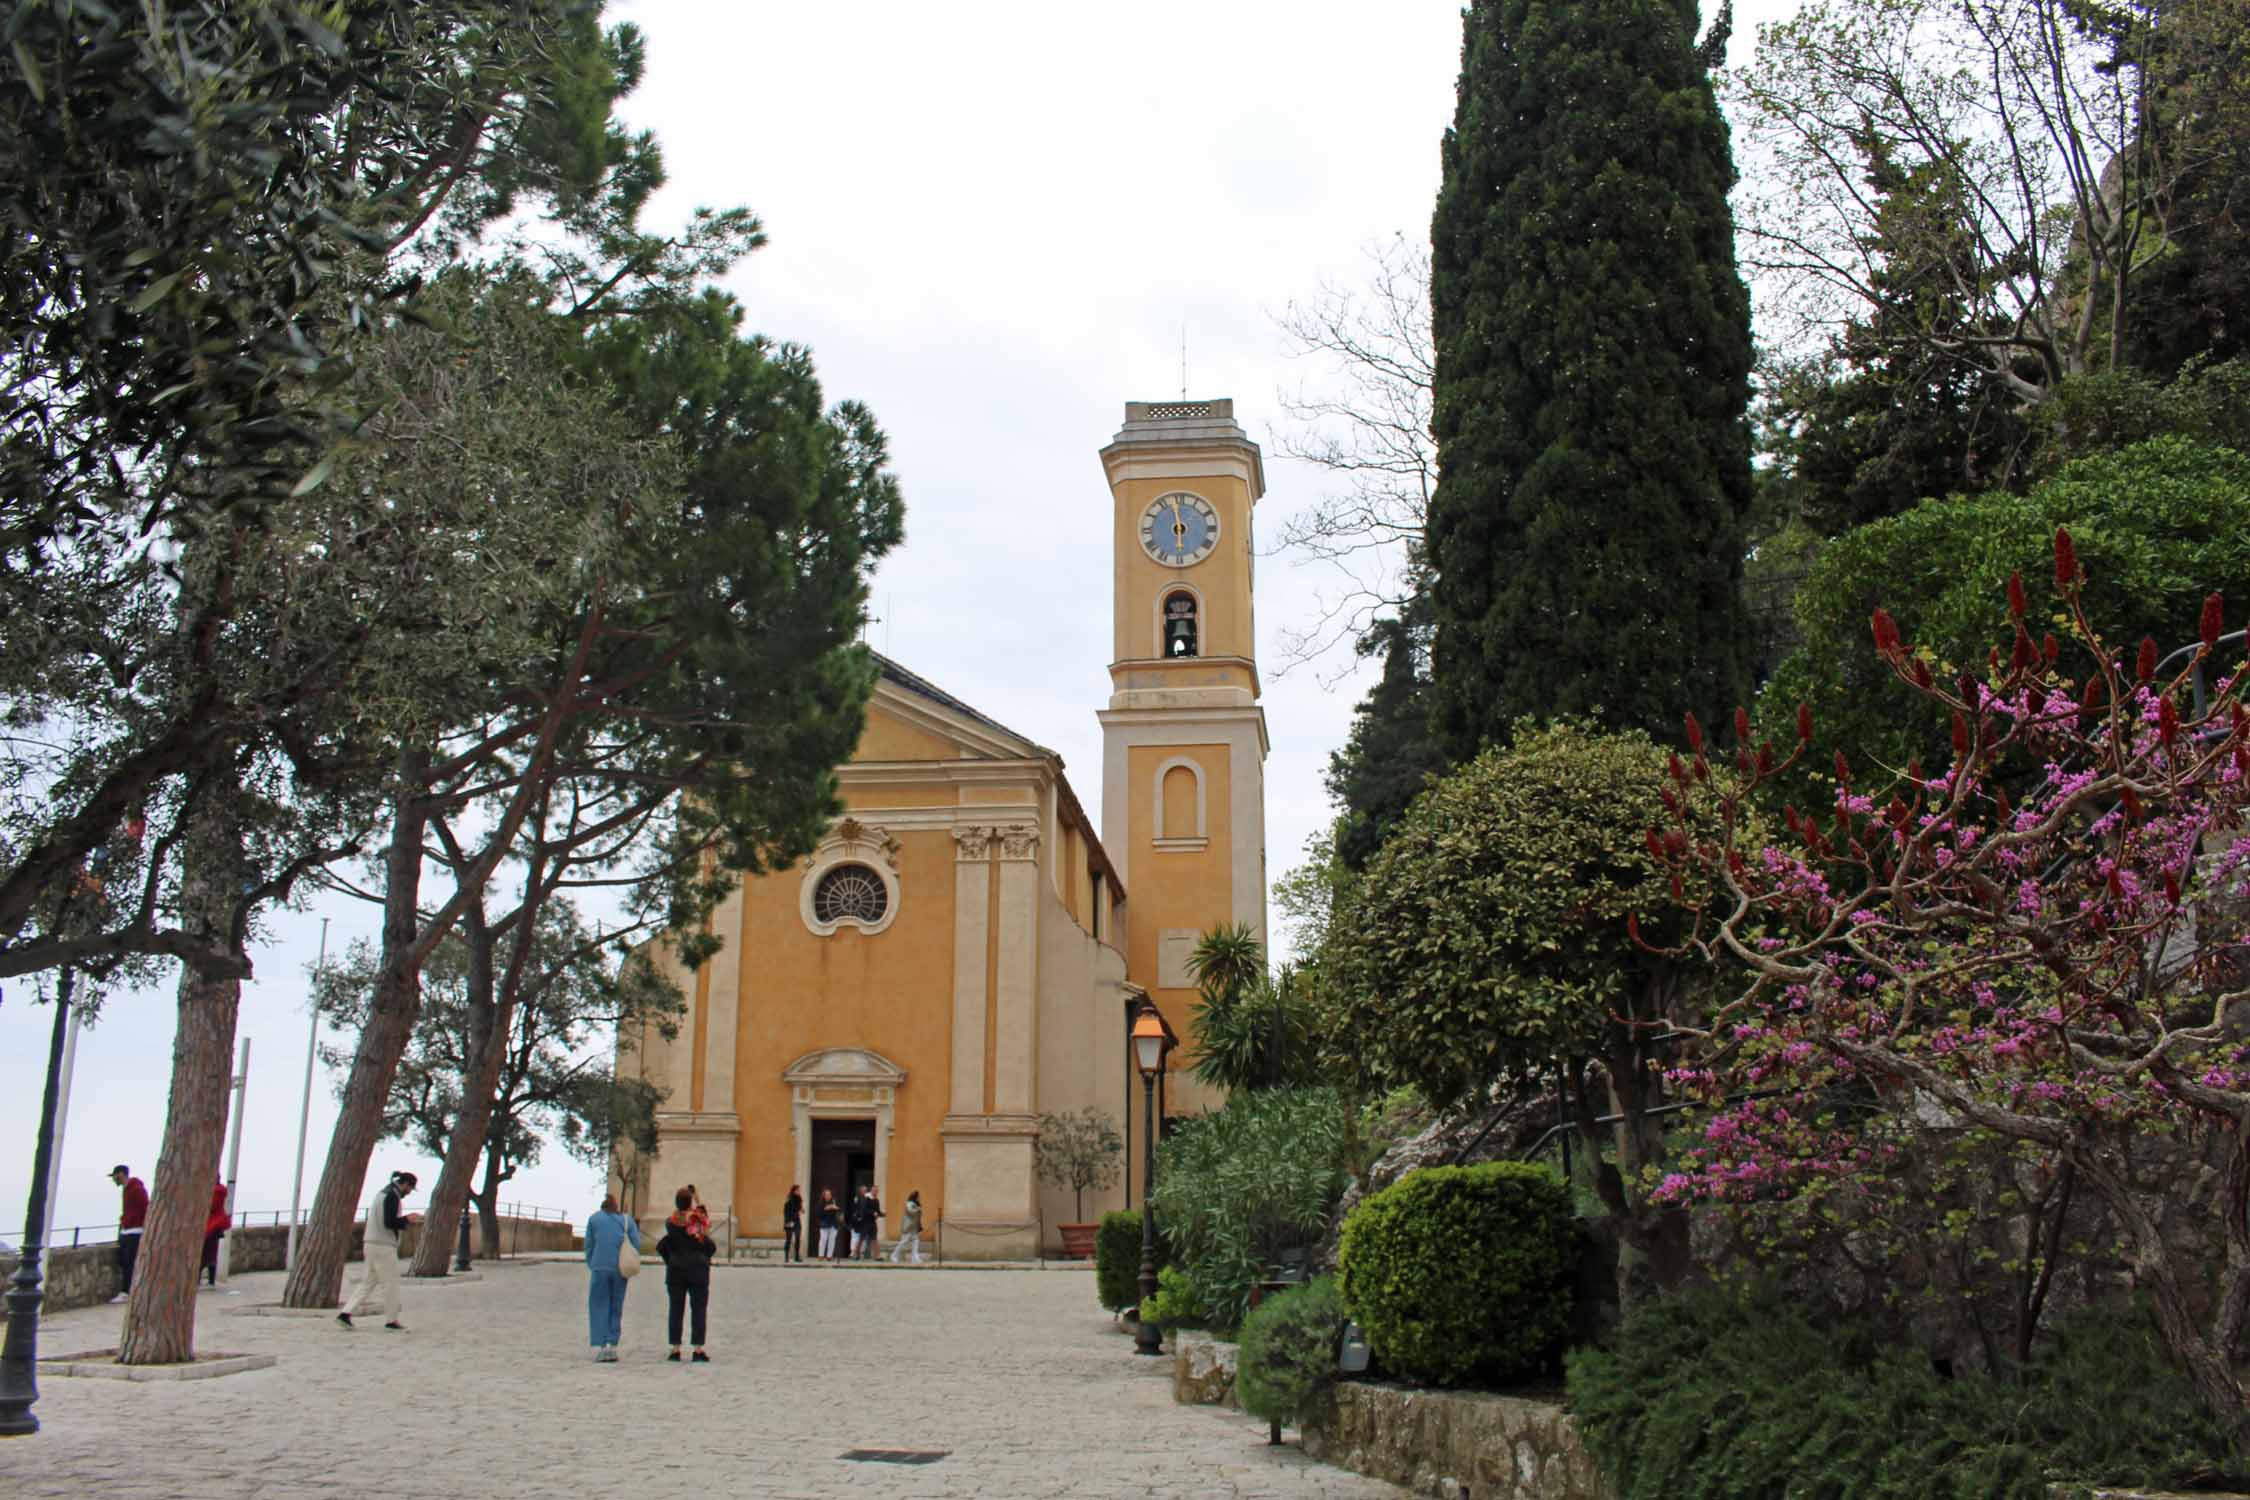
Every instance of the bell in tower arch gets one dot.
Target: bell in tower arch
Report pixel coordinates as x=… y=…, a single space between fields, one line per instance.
x=1179 y=625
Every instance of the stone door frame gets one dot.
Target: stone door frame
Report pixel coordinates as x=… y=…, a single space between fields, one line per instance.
x=842 y=1083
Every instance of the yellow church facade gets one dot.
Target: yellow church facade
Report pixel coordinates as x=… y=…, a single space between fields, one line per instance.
x=965 y=950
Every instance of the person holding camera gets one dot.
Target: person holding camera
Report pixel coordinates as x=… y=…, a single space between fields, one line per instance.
x=379 y=1248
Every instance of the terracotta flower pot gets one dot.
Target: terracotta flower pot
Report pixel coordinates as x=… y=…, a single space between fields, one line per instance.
x=1078 y=1240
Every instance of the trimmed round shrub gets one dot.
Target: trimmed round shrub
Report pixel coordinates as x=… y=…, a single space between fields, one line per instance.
x=1463 y=1275
x=1288 y=1355
x=1117 y=1260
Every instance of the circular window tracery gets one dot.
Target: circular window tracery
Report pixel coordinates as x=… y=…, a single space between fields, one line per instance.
x=851 y=893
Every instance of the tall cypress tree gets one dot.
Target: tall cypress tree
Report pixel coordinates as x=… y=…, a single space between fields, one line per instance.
x=1593 y=359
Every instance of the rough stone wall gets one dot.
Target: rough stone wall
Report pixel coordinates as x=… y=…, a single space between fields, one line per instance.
x=1202 y=1369
x=1457 y=1444
x=1515 y=1125
x=84 y=1275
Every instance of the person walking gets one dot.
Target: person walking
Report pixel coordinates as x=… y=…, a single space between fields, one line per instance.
x=793 y=1226
x=909 y=1229
x=386 y=1216
x=607 y=1233
x=829 y=1220
x=217 y=1223
x=132 y=1218
x=871 y=1242
x=859 y=1222
x=686 y=1251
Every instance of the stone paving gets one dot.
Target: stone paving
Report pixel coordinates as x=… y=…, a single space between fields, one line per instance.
x=493 y=1391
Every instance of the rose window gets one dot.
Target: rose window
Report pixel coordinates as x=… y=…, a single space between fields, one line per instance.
x=851 y=893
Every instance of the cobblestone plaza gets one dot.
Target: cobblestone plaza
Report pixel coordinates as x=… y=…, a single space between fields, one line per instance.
x=1014 y=1374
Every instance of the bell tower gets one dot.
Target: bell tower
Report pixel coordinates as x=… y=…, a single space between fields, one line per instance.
x=1184 y=739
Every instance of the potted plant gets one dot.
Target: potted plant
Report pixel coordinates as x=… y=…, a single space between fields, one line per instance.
x=1078 y=1151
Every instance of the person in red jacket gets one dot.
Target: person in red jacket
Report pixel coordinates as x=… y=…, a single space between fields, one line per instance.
x=131 y=1219
x=219 y=1223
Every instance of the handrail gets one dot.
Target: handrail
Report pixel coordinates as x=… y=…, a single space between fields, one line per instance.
x=105 y=1234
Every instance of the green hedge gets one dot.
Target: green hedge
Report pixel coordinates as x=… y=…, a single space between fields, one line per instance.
x=1705 y=1398
x=1288 y=1356
x=1117 y=1260
x=1463 y=1275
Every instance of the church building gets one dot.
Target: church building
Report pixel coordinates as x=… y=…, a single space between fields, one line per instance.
x=966 y=949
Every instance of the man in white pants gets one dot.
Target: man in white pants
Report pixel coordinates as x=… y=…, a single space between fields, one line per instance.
x=380 y=1247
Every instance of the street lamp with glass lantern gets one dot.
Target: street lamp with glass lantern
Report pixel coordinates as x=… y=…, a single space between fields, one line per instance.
x=1151 y=1041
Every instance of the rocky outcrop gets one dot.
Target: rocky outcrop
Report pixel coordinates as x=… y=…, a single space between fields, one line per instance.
x=1515 y=1126
x=1202 y=1370
x=1457 y=1444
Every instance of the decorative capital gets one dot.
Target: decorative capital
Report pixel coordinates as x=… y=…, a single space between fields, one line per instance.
x=972 y=843
x=1020 y=841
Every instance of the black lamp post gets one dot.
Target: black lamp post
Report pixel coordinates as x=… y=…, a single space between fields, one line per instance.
x=1149 y=1046
x=19 y=1369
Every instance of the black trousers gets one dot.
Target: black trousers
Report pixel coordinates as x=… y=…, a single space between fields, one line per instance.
x=128 y=1252
x=696 y=1297
x=793 y=1239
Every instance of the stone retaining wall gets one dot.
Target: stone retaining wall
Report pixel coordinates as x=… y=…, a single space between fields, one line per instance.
x=84 y=1275
x=1464 y=1445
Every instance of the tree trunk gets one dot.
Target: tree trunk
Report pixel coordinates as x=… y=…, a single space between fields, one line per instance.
x=160 y=1319
x=317 y=1280
x=488 y=1210
x=488 y=1046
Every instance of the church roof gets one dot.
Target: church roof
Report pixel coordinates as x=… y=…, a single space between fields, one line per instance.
x=917 y=684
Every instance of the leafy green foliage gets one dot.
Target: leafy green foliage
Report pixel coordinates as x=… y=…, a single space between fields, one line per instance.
x=1177 y=1303
x=1593 y=359
x=1703 y=1397
x=1237 y=1187
x=1392 y=749
x=2158 y=526
x=1288 y=1356
x=1252 y=1030
x=1078 y=1151
x=1117 y=1259
x=1463 y=1274
x=1490 y=935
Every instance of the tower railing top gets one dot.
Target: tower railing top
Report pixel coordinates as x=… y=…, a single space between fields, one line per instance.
x=1179 y=411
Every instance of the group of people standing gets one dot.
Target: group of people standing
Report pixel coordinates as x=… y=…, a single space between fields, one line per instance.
x=613 y=1252
x=864 y=1218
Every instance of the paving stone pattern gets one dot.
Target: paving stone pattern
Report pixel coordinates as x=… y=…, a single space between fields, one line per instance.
x=493 y=1391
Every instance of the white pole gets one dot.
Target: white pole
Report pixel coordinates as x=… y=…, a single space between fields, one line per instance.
x=234 y=1156
x=62 y=1122
x=304 y=1110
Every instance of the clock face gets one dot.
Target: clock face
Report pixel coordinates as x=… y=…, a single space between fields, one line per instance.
x=1179 y=529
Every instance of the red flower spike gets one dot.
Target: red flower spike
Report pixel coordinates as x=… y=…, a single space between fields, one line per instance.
x=1655 y=845
x=1765 y=757
x=2116 y=886
x=2132 y=802
x=2145 y=666
x=2097 y=688
x=1679 y=892
x=1742 y=725
x=2017 y=604
x=1789 y=817
x=1843 y=769
x=2049 y=647
x=1886 y=634
x=2214 y=619
x=1897 y=813
x=1671 y=803
x=2171 y=887
x=2066 y=559
x=1804 y=723
x=2000 y=803
x=1922 y=677
x=1992 y=659
x=1694 y=735
x=1679 y=772
x=1960 y=736
x=2024 y=654
x=2167 y=721
x=1914 y=769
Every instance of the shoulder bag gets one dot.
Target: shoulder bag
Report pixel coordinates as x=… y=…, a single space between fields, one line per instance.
x=628 y=1260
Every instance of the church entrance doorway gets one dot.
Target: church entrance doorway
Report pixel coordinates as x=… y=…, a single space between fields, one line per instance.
x=843 y=1158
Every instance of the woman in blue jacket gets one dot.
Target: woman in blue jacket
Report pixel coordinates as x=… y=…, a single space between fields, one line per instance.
x=605 y=1292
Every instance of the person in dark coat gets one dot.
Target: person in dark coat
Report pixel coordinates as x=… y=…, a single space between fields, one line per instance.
x=686 y=1251
x=793 y=1226
x=831 y=1219
x=218 y=1223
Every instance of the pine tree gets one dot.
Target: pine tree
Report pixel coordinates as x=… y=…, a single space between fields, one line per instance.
x=1593 y=357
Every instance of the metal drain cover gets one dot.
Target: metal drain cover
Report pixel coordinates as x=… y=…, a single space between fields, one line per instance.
x=894 y=1455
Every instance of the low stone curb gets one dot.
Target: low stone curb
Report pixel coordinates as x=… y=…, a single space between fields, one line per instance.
x=454 y=1278
x=101 y=1364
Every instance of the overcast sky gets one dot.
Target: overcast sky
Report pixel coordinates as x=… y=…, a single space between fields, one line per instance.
x=992 y=223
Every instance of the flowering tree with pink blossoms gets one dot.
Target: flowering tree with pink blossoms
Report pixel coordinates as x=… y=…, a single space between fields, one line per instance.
x=2045 y=941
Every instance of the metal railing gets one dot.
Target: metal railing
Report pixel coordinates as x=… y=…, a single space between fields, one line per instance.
x=76 y=1235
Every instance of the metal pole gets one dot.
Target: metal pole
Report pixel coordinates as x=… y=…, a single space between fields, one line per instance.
x=62 y=1119
x=19 y=1356
x=1147 y=1337
x=234 y=1157
x=304 y=1110
x=461 y=1251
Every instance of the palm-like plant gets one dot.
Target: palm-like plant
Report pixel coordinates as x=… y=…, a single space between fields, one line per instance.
x=1251 y=1029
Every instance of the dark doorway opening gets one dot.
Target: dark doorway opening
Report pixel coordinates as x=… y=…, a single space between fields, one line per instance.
x=843 y=1158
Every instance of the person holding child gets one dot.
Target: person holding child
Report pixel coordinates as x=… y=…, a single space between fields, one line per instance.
x=686 y=1251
